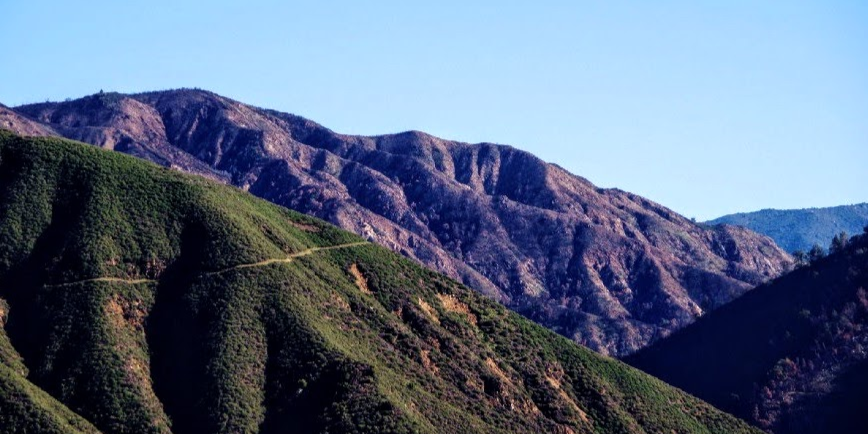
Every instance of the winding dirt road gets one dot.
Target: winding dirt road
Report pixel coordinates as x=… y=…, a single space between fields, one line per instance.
x=285 y=260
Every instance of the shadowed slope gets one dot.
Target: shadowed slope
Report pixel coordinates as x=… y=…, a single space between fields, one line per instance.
x=790 y=356
x=24 y=408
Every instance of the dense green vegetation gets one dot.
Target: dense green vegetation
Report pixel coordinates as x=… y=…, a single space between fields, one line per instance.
x=801 y=229
x=24 y=408
x=143 y=301
x=790 y=356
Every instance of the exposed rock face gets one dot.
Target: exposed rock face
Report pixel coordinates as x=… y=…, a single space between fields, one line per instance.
x=607 y=268
x=13 y=121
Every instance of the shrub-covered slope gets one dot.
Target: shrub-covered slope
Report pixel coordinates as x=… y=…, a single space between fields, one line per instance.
x=790 y=356
x=147 y=301
x=604 y=267
x=24 y=408
x=800 y=229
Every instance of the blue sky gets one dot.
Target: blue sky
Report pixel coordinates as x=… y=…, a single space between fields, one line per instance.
x=707 y=108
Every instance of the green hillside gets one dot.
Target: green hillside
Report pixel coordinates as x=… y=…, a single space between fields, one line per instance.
x=24 y=408
x=146 y=301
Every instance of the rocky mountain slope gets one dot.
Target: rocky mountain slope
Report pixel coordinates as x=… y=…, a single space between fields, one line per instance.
x=607 y=268
x=134 y=299
x=790 y=356
x=12 y=121
x=800 y=229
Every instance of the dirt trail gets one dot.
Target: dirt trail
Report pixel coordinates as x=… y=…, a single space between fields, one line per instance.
x=106 y=279
x=287 y=259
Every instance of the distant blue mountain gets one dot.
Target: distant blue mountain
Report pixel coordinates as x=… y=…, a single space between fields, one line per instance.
x=799 y=229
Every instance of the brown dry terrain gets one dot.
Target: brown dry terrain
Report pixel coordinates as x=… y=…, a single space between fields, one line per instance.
x=607 y=268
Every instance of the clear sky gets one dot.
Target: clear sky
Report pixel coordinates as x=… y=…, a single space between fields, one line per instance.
x=707 y=108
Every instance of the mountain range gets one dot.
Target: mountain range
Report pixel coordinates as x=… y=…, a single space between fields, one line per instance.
x=801 y=229
x=136 y=299
x=606 y=268
x=790 y=356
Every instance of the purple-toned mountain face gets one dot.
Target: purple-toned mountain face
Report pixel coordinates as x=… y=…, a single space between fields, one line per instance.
x=609 y=269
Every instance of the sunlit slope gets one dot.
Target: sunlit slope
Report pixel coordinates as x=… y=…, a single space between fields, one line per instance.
x=149 y=301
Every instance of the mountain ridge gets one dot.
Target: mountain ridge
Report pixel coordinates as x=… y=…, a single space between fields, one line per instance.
x=325 y=332
x=801 y=229
x=607 y=268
